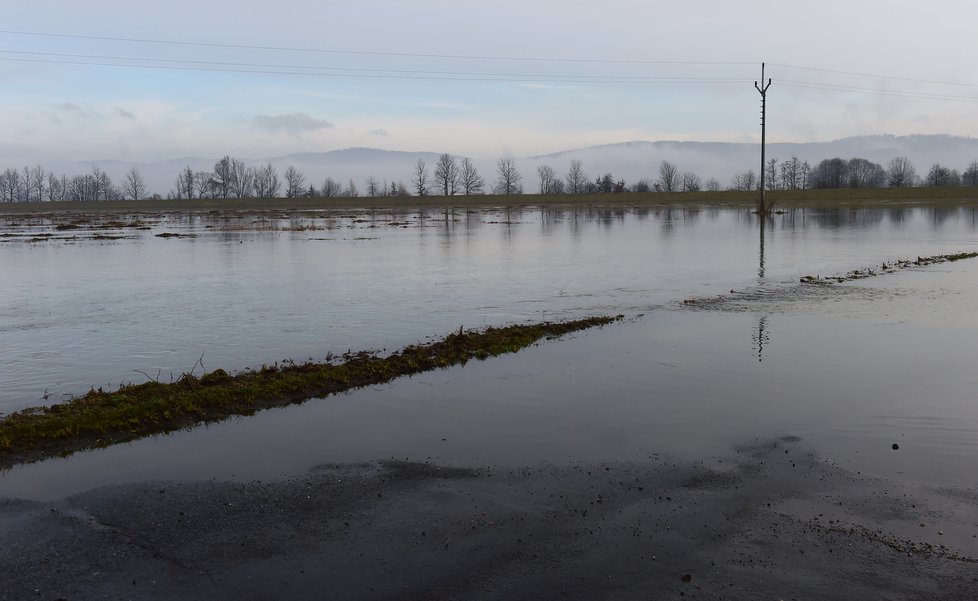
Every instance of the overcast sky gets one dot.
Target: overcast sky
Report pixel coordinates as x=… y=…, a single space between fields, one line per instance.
x=471 y=78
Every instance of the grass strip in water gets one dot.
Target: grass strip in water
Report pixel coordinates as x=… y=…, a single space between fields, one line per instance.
x=101 y=418
x=757 y=294
x=869 y=272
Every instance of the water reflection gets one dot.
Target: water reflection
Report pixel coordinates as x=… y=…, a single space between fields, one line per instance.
x=761 y=337
x=762 y=225
x=256 y=287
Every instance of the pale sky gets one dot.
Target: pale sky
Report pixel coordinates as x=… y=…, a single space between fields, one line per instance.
x=479 y=79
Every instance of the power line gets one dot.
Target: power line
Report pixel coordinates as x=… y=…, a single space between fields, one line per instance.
x=61 y=55
x=884 y=92
x=352 y=72
x=368 y=52
x=875 y=76
x=474 y=77
x=439 y=75
x=473 y=57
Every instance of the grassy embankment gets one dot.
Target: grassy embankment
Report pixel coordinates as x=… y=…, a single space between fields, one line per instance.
x=785 y=199
x=102 y=418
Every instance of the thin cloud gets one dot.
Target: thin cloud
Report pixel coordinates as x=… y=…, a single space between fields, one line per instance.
x=124 y=113
x=383 y=133
x=294 y=123
x=75 y=109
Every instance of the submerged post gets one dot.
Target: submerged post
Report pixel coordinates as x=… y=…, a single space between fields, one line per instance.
x=762 y=209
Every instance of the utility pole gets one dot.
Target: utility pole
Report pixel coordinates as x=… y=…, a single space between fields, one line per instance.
x=763 y=90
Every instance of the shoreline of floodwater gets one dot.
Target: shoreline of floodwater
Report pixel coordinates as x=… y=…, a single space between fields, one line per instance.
x=101 y=418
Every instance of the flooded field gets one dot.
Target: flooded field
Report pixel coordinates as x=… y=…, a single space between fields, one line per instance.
x=851 y=368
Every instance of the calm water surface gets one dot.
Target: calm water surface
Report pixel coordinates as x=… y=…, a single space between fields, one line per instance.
x=852 y=369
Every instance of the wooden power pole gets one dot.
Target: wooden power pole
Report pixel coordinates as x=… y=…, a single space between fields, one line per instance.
x=762 y=209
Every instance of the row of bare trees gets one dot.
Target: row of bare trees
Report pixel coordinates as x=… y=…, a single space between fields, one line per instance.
x=231 y=178
x=34 y=184
x=452 y=176
x=835 y=173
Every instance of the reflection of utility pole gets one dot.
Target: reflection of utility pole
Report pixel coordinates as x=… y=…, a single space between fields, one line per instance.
x=762 y=209
x=761 y=337
x=760 y=266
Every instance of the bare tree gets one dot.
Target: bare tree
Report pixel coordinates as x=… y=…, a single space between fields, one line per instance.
x=712 y=185
x=64 y=188
x=745 y=181
x=547 y=177
x=791 y=174
x=224 y=176
x=805 y=176
x=331 y=188
x=204 y=184
x=940 y=176
x=351 y=190
x=668 y=177
x=831 y=174
x=771 y=174
x=176 y=192
x=242 y=179
x=642 y=186
x=185 y=183
x=27 y=185
x=865 y=174
x=133 y=186
x=471 y=181
x=691 y=182
x=80 y=187
x=447 y=174
x=11 y=185
x=54 y=188
x=402 y=190
x=420 y=178
x=576 y=178
x=266 y=182
x=970 y=175
x=508 y=179
x=373 y=188
x=38 y=179
x=102 y=185
x=901 y=173
x=294 y=182
x=32 y=184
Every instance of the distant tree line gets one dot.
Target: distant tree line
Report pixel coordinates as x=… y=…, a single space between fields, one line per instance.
x=231 y=178
x=34 y=184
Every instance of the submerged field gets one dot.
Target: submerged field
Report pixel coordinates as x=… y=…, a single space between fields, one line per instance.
x=785 y=408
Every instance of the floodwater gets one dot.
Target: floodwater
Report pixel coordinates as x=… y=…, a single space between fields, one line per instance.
x=852 y=368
